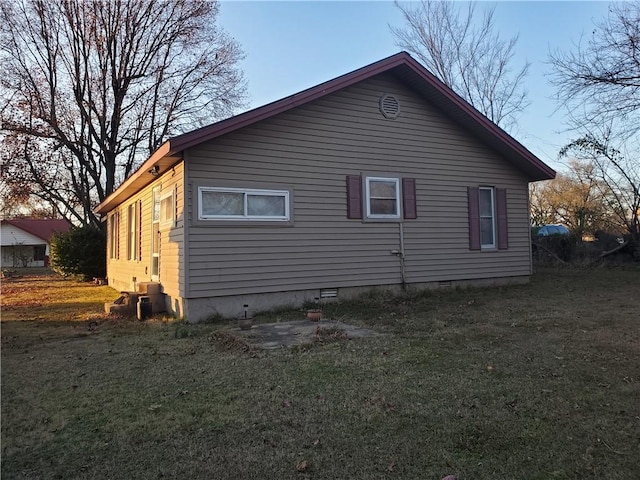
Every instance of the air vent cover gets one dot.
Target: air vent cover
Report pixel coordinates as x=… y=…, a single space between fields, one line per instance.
x=389 y=106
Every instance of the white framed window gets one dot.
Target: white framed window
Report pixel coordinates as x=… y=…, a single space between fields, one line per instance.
x=167 y=209
x=487 y=217
x=382 y=197
x=114 y=236
x=156 y=204
x=132 y=231
x=243 y=204
x=155 y=236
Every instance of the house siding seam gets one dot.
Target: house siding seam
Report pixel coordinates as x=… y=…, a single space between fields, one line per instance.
x=316 y=146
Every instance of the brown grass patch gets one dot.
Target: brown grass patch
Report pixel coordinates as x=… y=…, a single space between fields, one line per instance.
x=53 y=298
x=537 y=381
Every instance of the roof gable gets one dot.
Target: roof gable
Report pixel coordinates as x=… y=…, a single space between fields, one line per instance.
x=41 y=228
x=402 y=66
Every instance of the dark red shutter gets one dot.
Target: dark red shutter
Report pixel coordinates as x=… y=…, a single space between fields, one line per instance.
x=501 y=209
x=118 y=235
x=140 y=230
x=409 y=198
x=354 y=196
x=474 y=217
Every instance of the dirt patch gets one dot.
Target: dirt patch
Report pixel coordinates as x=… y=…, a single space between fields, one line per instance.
x=298 y=332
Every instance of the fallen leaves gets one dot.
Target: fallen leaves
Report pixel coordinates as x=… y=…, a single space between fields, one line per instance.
x=302 y=466
x=381 y=402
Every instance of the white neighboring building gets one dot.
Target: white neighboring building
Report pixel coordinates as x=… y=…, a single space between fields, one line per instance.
x=25 y=241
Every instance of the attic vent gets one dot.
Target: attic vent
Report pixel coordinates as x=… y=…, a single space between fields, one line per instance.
x=389 y=106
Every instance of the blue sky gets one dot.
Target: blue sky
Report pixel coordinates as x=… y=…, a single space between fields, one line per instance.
x=294 y=45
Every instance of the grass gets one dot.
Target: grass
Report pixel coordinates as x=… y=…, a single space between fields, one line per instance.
x=49 y=297
x=526 y=382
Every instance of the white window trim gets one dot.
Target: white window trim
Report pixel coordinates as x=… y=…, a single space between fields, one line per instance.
x=368 y=197
x=114 y=236
x=245 y=217
x=155 y=197
x=170 y=221
x=132 y=231
x=489 y=246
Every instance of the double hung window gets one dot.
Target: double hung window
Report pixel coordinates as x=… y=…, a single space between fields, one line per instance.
x=114 y=235
x=487 y=218
x=382 y=197
x=488 y=225
x=167 y=207
x=133 y=214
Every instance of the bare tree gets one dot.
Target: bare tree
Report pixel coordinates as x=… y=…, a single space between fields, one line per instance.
x=620 y=176
x=599 y=84
x=466 y=55
x=90 y=88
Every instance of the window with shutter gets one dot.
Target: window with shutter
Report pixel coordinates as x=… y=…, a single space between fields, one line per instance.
x=487 y=218
x=383 y=198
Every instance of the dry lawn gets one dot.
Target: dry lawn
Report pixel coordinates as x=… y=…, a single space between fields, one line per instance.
x=50 y=297
x=527 y=382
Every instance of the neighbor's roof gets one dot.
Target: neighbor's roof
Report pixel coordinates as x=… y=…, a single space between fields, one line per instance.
x=402 y=66
x=41 y=228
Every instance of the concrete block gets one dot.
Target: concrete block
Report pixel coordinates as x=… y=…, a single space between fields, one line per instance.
x=150 y=288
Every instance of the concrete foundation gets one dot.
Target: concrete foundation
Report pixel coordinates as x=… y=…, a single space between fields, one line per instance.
x=201 y=309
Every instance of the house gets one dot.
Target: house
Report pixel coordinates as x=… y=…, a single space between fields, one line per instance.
x=25 y=241
x=382 y=177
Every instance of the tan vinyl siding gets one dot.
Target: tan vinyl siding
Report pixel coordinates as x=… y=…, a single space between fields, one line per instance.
x=122 y=271
x=312 y=149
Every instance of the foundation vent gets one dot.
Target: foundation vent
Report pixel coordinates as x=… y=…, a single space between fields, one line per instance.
x=329 y=293
x=389 y=106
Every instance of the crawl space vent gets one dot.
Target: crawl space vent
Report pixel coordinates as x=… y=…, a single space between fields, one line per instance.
x=389 y=106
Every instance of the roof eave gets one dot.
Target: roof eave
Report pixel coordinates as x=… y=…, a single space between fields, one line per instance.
x=140 y=178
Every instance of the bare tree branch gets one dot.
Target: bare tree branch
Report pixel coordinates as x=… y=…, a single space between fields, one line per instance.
x=600 y=77
x=466 y=55
x=619 y=174
x=100 y=85
x=599 y=85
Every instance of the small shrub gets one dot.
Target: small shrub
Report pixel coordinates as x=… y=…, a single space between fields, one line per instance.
x=80 y=251
x=564 y=247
